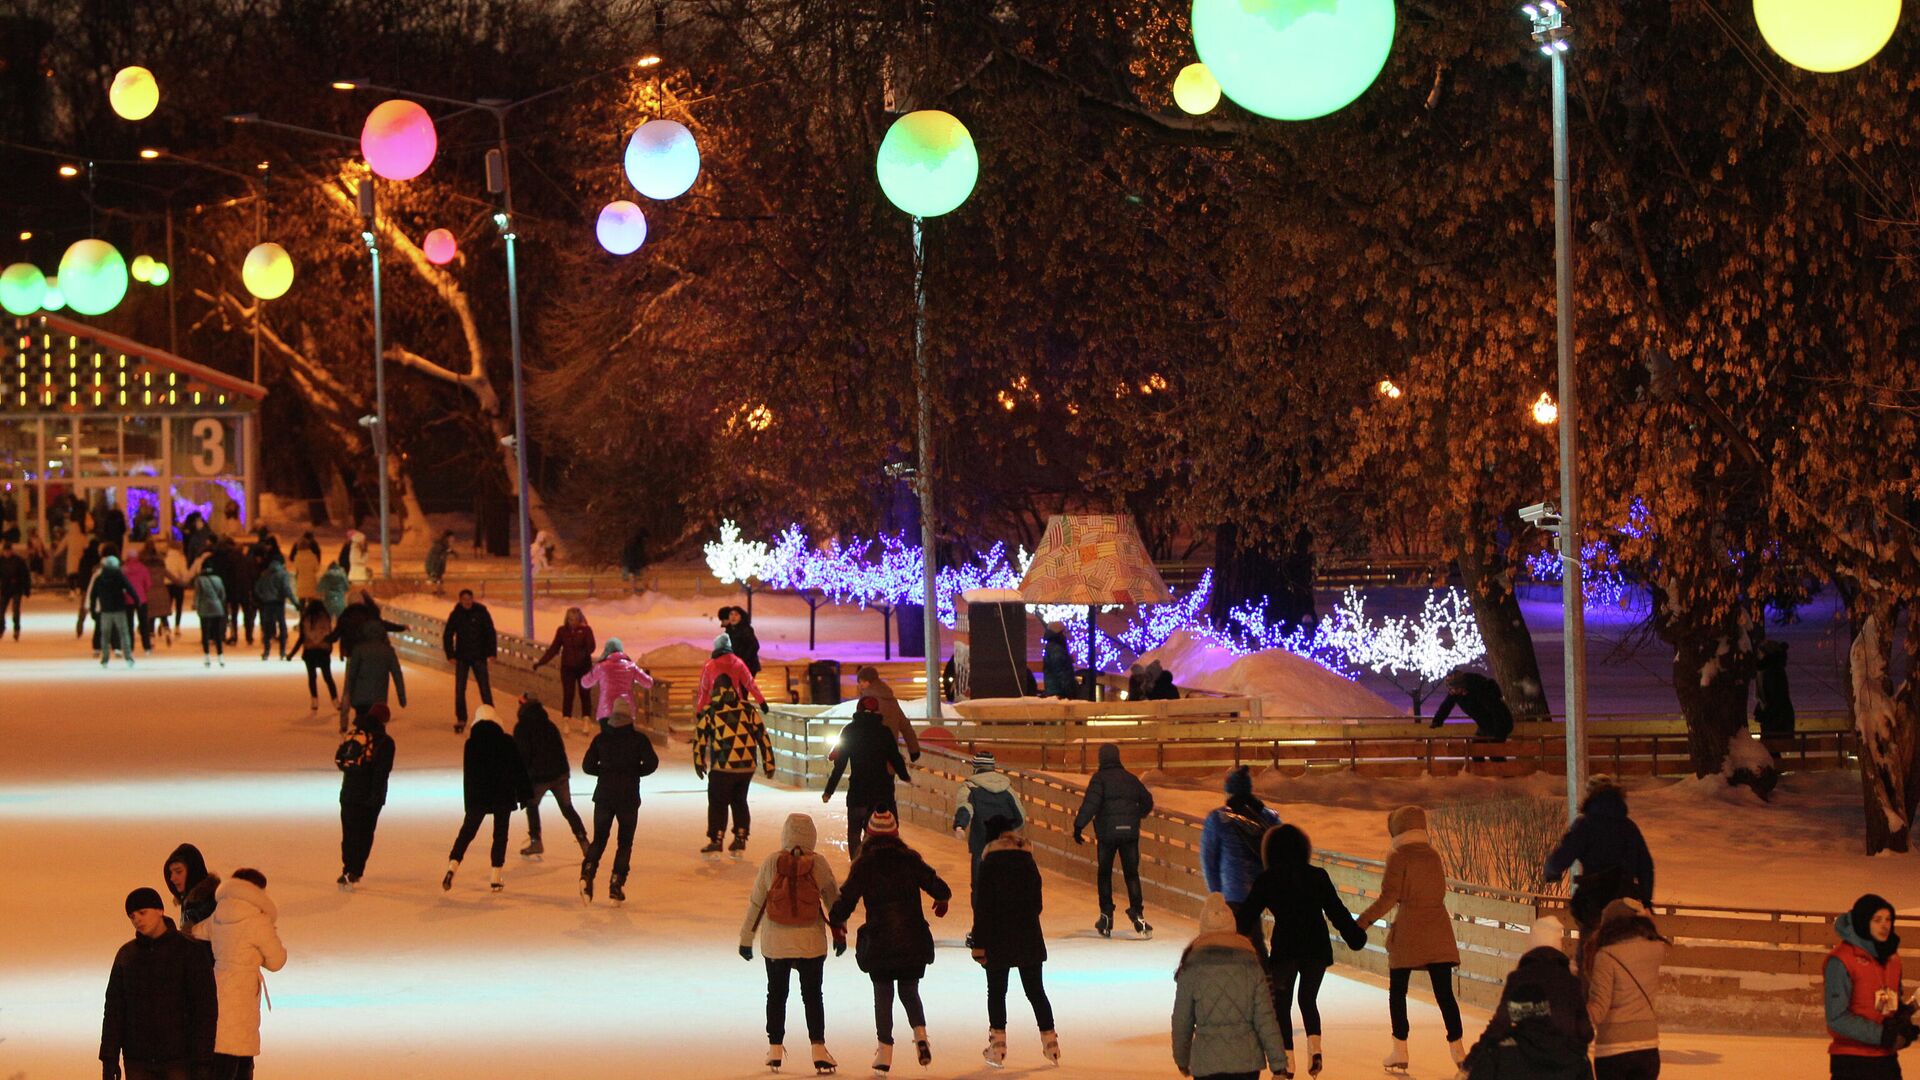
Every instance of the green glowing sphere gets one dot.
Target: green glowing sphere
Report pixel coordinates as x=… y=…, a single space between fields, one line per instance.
x=55 y=299
x=142 y=267
x=1826 y=35
x=93 y=277
x=23 y=288
x=160 y=275
x=927 y=163
x=1293 y=59
x=268 y=271
x=133 y=94
x=1195 y=90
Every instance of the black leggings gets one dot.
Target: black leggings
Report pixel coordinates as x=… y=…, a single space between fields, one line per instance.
x=213 y=635
x=570 y=686
x=1442 y=978
x=1029 y=982
x=470 y=828
x=319 y=663
x=812 y=972
x=728 y=791
x=1282 y=974
x=883 y=985
x=177 y=594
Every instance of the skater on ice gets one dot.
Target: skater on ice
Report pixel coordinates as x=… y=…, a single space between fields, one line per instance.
x=192 y=889
x=471 y=643
x=1304 y=904
x=1223 y=1018
x=1413 y=889
x=729 y=742
x=573 y=643
x=365 y=761
x=161 y=1010
x=545 y=753
x=1541 y=1027
x=1115 y=804
x=1623 y=992
x=1007 y=936
x=614 y=680
x=982 y=797
x=246 y=940
x=867 y=748
x=493 y=784
x=895 y=944
x=787 y=909
x=618 y=757
x=1868 y=1015
x=1230 y=840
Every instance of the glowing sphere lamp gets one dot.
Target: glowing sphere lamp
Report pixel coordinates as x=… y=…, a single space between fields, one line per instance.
x=622 y=228
x=22 y=289
x=133 y=94
x=398 y=140
x=1826 y=35
x=142 y=267
x=55 y=299
x=1293 y=59
x=440 y=247
x=1195 y=90
x=93 y=277
x=268 y=271
x=160 y=276
x=662 y=159
x=927 y=163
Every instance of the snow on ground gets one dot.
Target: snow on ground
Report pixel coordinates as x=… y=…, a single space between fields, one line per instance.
x=1287 y=685
x=106 y=771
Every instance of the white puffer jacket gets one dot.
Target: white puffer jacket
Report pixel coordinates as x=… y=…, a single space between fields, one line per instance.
x=245 y=940
x=778 y=942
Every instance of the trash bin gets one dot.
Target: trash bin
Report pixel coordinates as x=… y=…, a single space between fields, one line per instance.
x=823 y=682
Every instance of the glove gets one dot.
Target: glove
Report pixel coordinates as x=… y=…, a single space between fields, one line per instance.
x=746 y=952
x=700 y=772
x=939 y=909
x=1909 y=1035
x=980 y=957
x=839 y=940
x=1079 y=837
x=825 y=797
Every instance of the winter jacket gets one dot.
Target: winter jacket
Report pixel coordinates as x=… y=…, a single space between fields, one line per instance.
x=315 y=628
x=359 y=623
x=1230 y=841
x=540 y=746
x=1540 y=1028
x=140 y=578
x=729 y=735
x=244 y=941
x=1006 y=905
x=437 y=559
x=892 y=714
x=1223 y=1019
x=493 y=779
x=618 y=678
x=469 y=635
x=1480 y=699
x=732 y=666
x=981 y=798
x=746 y=643
x=179 y=570
x=1303 y=901
x=161 y=1006
x=306 y=574
x=194 y=906
x=209 y=596
x=1056 y=665
x=159 y=604
x=15 y=578
x=371 y=666
x=1612 y=854
x=778 y=941
x=574 y=646
x=111 y=592
x=353 y=556
x=890 y=876
x=1414 y=881
x=272 y=588
x=237 y=574
x=1854 y=977
x=365 y=761
x=333 y=590
x=1115 y=802
x=1623 y=992
x=72 y=550
x=619 y=757
x=867 y=747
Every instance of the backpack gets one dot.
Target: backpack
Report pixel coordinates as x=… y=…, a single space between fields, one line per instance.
x=356 y=751
x=794 y=898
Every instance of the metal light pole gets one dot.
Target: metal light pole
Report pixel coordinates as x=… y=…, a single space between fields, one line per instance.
x=370 y=235
x=923 y=477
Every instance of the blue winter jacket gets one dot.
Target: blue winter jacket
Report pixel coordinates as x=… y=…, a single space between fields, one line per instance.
x=1604 y=837
x=1230 y=846
x=1838 y=993
x=983 y=797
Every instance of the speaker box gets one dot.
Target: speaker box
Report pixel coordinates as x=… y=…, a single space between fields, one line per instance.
x=997 y=649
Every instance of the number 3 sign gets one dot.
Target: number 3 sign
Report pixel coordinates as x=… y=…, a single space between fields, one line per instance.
x=211 y=458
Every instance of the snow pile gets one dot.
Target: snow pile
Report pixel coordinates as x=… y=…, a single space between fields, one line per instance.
x=914 y=707
x=678 y=654
x=1288 y=685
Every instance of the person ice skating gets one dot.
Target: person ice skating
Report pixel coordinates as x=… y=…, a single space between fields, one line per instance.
x=70 y=553
x=1541 y=1028
x=16 y=584
x=573 y=643
x=1613 y=856
x=1056 y=662
x=895 y=945
x=333 y=589
x=180 y=573
x=738 y=626
x=1413 y=887
x=317 y=655
x=470 y=642
x=159 y=605
x=305 y=566
x=353 y=556
x=272 y=591
x=161 y=1008
x=112 y=600
x=240 y=576
x=1230 y=839
x=245 y=940
x=140 y=577
x=985 y=795
x=724 y=662
x=619 y=756
x=365 y=761
x=868 y=683
x=361 y=622
x=371 y=669
x=1223 y=1021
x=787 y=907
x=1867 y=1012
x=1304 y=903
x=1623 y=993
x=1115 y=804
x=867 y=747
x=729 y=739
x=210 y=606
x=614 y=679
x=1007 y=936
x=1479 y=697
x=437 y=556
x=493 y=783
x=545 y=753
x=192 y=889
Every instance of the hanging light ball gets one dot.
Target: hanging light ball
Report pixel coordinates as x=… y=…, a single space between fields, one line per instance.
x=268 y=271
x=663 y=161
x=160 y=276
x=54 y=300
x=93 y=277
x=440 y=247
x=622 y=228
x=1195 y=90
x=142 y=267
x=398 y=140
x=22 y=289
x=133 y=94
x=927 y=163
x=1826 y=35
x=1293 y=59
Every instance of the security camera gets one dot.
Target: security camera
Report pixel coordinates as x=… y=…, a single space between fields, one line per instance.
x=369 y=421
x=507 y=441
x=1542 y=515
x=898 y=469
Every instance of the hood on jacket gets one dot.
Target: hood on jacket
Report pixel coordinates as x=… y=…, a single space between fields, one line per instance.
x=1861 y=940
x=196 y=865
x=1406 y=819
x=1546 y=959
x=1110 y=755
x=1605 y=802
x=485 y=731
x=531 y=712
x=799 y=832
x=1011 y=840
x=1239 y=782
x=241 y=899
x=1215 y=916
x=1285 y=845
x=485 y=715
x=992 y=780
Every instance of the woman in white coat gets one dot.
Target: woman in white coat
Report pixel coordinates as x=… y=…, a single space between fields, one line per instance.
x=244 y=940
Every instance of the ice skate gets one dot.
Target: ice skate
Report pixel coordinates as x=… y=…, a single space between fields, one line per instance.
x=459 y=726
x=713 y=845
x=446 y=883
x=1143 y=928
x=533 y=848
x=739 y=846
x=1459 y=1051
x=1397 y=1059
x=1103 y=925
x=1050 y=1046
x=996 y=1052
x=586 y=882
x=313 y=705
x=617 y=889
x=223 y=661
x=499 y=882
x=883 y=1059
x=823 y=1063
x=1313 y=1055
x=345 y=886
x=206 y=661
x=775 y=1055
x=922 y=1049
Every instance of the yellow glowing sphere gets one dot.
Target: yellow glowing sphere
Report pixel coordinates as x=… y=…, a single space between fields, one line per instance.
x=142 y=267
x=134 y=94
x=1826 y=35
x=1195 y=89
x=268 y=271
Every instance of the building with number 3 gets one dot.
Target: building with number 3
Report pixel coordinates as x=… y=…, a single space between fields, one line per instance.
x=91 y=419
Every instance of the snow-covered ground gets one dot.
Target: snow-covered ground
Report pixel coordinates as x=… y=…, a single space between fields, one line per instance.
x=105 y=771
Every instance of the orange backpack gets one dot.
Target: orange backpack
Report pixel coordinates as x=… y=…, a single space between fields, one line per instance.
x=794 y=898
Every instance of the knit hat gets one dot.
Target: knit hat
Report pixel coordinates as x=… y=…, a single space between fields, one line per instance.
x=1406 y=819
x=722 y=643
x=110 y=563
x=377 y=713
x=1215 y=916
x=984 y=760
x=144 y=898
x=1239 y=782
x=868 y=704
x=485 y=712
x=883 y=823
x=613 y=646
x=1548 y=932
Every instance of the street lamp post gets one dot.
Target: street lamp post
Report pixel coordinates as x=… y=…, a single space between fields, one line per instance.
x=923 y=479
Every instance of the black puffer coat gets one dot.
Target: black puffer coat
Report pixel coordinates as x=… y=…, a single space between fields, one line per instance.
x=365 y=763
x=1612 y=854
x=1479 y=697
x=619 y=756
x=469 y=635
x=890 y=876
x=540 y=745
x=1541 y=1028
x=1303 y=901
x=161 y=1006
x=867 y=747
x=494 y=779
x=1116 y=800
x=1006 y=905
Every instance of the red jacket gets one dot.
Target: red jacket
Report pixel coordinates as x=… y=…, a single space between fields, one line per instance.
x=734 y=668
x=574 y=644
x=1866 y=977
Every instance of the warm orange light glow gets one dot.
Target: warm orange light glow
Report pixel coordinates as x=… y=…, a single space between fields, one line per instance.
x=1389 y=390
x=344 y=86
x=647 y=61
x=149 y=154
x=1545 y=411
x=26 y=235
x=69 y=171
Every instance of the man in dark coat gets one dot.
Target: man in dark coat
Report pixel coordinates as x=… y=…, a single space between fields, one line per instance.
x=1773 y=700
x=16 y=584
x=541 y=748
x=1541 y=1027
x=619 y=756
x=1115 y=803
x=493 y=781
x=112 y=601
x=1613 y=856
x=365 y=761
x=1478 y=697
x=161 y=1007
x=470 y=642
x=868 y=747
x=746 y=644
x=1007 y=936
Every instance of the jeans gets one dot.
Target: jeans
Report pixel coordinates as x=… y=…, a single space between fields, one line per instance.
x=319 y=663
x=1129 y=854
x=604 y=815
x=357 y=823
x=177 y=594
x=273 y=627
x=470 y=827
x=461 y=668
x=10 y=602
x=1442 y=978
x=561 y=795
x=812 y=971
x=114 y=626
x=883 y=985
x=1030 y=983
x=570 y=686
x=230 y=1067
x=213 y=635
x=728 y=791
x=144 y=623
x=1643 y=1065
x=1281 y=974
x=856 y=828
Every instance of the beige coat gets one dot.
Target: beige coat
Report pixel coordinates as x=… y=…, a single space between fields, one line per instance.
x=244 y=940
x=1415 y=882
x=1623 y=990
x=778 y=942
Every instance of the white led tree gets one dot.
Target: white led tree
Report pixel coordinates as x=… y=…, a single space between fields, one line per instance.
x=738 y=561
x=1414 y=653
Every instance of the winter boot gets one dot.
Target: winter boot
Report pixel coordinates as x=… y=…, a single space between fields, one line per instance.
x=1313 y=1055
x=921 y=1047
x=533 y=848
x=499 y=881
x=1397 y=1058
x=1142 y=927
x=775 y=1055
x=1050 y=1046
x=823 y=1063
x=713 y=845
x=459 y=726
x=446 y=883
x=617 y=889
x=996 y=1051
x=1103 y=925
x=739 y=845
x=207 y=661
x=587 y=871
x=1459 y=1051
x=883 y=1059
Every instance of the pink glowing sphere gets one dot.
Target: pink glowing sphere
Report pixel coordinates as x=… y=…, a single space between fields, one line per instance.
x=398 y=140
x=440 y=247
x=622 y=228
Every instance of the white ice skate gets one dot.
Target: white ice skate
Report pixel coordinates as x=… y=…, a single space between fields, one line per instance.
x=1459 y=1051
x=1050 y=1046
x=823 y=1063
x=1313 y=1055
x=775 y=1055
x=1397 y=1059
x=996 y=1052
x=446 y=883
x=883 y=1059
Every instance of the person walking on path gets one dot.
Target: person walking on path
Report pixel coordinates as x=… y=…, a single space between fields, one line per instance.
x=729 y=740
x=245 y=941
x=724 y=662
x=161 y=1009
x=787 y=908
x=738 y=626
x=317 y=655
x=470 y=641
x=437 y=557
x=895 y=945
x=112 y=599
x=1115 y=804
x=1007 y=936
x=985 y=795
x=868 y=683
x=192 y=889
x=272 y=591
x=867 y=747
x=1613 y=856
x=1223 y=1016
x=1540 y=1028
x=1304 y=903
x=1230 y=839
x=1623 y=993
x=371 y=669
x=1867 y=1014
x=573 y=643
x=616 y=678
x=493 y=783
x=16 y=584
x=365 y=761
x=1421 y=938
x=210 y=606
x=619 y=756
x=541 y=747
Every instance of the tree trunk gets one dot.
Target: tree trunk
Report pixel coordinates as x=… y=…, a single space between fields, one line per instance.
x=1711 y=676
x=416 y=534
x=1886 y=724
x=339 y=501
x=1510 y=654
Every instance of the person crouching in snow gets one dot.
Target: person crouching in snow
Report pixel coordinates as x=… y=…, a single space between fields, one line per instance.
x=245 y=940
x=787 y=907
x=985 y=795
x=494 y=782
x=1007 y=937
x=1223 y=1022
x=619 y=756
x=616 y=678
x=1869 y=1021
x=1421 y=937
x=728 y=737
x=1541 y=1027
x=895 y=945
x=1623 y=993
